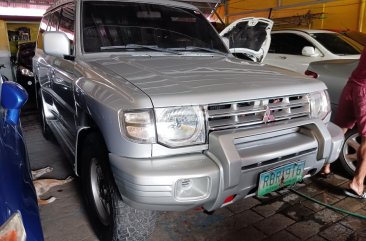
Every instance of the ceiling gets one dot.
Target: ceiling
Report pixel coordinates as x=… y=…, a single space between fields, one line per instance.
x=206 y=6
x=25 y=2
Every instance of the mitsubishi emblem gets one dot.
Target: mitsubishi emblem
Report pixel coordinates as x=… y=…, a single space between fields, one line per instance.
x=267 y=117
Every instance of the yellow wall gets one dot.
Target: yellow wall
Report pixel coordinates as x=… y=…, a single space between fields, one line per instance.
x=338 y=14
x=14 y=26
x=32 y=26
x=4 y=43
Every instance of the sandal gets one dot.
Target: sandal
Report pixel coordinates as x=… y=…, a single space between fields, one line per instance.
x=351 y=193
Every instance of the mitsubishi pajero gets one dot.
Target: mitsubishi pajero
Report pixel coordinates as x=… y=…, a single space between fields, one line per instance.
x=156 y=114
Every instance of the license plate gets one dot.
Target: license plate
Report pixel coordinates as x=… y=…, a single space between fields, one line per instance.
x=280 y=177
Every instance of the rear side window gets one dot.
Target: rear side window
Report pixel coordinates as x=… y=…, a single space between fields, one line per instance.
x=67 y=23
x=288 y=43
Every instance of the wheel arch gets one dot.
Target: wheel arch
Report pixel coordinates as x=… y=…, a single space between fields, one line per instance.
x=87 y=126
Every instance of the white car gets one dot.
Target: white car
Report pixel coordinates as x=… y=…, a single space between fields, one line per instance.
x=295 y=49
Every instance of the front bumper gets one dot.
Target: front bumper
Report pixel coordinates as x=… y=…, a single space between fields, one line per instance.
x=230 y=167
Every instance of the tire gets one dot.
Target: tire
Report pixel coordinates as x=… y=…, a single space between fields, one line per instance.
x=111 y=218
x=348 y=155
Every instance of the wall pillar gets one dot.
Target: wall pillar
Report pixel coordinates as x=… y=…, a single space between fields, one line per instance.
x=5 y=51
x=361 y=17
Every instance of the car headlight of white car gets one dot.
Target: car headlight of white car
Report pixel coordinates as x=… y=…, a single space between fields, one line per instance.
x=319 y=104
x=171 y=126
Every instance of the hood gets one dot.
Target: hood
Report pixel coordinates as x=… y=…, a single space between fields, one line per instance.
x=192 y=80
x=249 y=38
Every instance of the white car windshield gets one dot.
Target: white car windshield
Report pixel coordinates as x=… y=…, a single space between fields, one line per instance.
x=338 y=44
x=131 y=26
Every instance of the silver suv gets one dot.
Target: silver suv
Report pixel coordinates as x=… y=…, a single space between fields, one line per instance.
x=156 y=114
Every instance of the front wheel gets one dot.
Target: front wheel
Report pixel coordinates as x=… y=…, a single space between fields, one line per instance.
x=348 y=156
x=110 y=216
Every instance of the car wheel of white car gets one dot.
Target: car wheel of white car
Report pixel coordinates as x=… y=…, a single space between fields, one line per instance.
x=348 y=156
x=110 y=216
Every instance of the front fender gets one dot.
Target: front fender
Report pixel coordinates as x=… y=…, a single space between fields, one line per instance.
x=101 y=101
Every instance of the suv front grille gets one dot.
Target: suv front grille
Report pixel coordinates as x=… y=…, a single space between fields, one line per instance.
x=254 y=112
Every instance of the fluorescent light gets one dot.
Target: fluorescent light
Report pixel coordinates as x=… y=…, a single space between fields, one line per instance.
x=28 y=12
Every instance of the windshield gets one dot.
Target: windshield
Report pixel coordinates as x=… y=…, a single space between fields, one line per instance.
x=128 y=26
x=338 y=44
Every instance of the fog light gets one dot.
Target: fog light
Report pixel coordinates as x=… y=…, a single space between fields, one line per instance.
x=192 y=188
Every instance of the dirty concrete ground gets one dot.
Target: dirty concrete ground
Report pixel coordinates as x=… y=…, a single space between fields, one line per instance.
x=283 y=215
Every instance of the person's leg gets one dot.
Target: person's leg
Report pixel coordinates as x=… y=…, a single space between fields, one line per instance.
x=326 y=168
x=360 y=174
x=359 y=97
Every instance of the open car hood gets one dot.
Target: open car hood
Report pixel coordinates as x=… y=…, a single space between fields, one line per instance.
x=249 y=38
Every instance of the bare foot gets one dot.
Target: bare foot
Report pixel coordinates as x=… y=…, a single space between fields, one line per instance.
x=326 y=169
x=356 y=188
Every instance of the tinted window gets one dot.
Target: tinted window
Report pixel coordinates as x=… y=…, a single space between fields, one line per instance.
x=121 y=26
x=67 y=22
x=337 y=44
x=42 y=29
x=288 y=43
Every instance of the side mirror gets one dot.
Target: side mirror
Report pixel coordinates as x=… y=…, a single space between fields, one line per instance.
x=13 y=97
x=309 y=51
x=56 y=44
x=226 y=41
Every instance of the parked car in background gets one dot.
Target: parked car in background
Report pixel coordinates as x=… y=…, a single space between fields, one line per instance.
x=294 y=49
x=335 y=74
x=19 y=215
x=155 y=114
x=24 y=70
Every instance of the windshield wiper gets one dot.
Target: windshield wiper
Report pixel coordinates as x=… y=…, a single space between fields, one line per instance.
x=139 y=46
x=195 y=48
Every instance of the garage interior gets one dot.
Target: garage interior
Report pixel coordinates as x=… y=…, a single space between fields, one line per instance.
x=292 y=214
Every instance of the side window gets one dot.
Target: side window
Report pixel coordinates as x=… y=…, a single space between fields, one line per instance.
x=42 y=29
x=67 y=23
x=54 y=20
x=288 y=43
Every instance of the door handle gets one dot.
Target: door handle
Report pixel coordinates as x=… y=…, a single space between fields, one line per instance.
x=283 y=57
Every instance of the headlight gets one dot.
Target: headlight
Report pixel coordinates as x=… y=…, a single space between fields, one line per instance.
x=139 y=126
x=319 y=104
x=13 y=228
x=25 y=71
x=180 y=126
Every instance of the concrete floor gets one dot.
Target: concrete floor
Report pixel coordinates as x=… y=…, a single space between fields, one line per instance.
x=281 y=216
